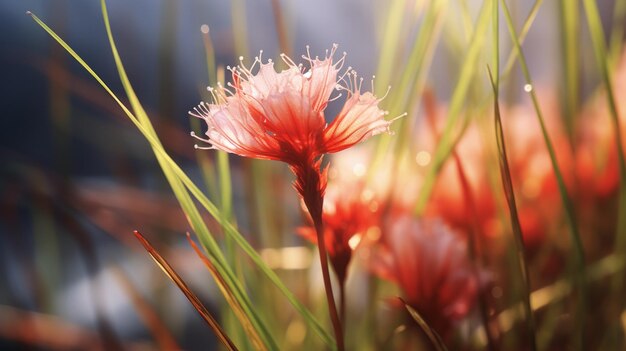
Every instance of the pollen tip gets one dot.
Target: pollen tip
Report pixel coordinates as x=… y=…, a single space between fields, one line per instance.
x=204 y=28
x=192 y=133
x=240 y=58
x=195 y=146
x=29 y=13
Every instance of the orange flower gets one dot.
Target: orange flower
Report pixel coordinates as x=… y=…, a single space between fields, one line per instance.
x=430 y=264
x=280 y=115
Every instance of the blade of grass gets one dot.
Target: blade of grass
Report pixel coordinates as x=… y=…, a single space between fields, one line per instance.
x=617 y=34
x=230 y=298
x=570 y=23
x=530 y=19
x=507 y=183
x=432 y=335
x=204 y=313
x=570 y=216
x=207 y=204
x=413 y=79
x=388 y=52
x=603 y=62
x=447 y=142
x=180 y=193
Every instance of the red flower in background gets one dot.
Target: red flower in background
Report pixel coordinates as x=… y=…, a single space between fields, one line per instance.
x=430 y=264
x=349 y=212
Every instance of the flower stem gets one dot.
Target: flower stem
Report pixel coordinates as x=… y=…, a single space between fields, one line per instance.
x=332 y=308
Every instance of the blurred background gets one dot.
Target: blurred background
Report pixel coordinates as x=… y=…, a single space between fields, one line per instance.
x=76 y=178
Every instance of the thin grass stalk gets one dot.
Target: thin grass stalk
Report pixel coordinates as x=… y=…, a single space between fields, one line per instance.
x=530 y=19
x=603 y=62
x=616 y=40
x=570 y=24
x=570 y=216
x=388 y=49
x=459 y=95
x=207 y=240
x=204 y=313
x=239 y=27
x=507 y=184
x=413 y=78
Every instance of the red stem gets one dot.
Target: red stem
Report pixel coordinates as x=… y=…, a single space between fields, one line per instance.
x=311 y=184
x=332 y=308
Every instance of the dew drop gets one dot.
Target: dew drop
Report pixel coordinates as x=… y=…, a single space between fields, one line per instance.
x=528 y=88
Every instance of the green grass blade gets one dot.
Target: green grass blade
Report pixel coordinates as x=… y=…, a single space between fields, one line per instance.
x=603 y=60
x=459 y=95
x=530 y=19
x=388 y=52
x=570 y=24
x=515 y=222
x=213 y=210
x=182 y=195
x=570 y=215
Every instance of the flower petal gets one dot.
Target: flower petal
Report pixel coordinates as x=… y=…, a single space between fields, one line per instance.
x=359 y=119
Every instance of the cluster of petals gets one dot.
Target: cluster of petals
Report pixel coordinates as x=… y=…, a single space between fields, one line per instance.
x=273 y=115
x=430 y=264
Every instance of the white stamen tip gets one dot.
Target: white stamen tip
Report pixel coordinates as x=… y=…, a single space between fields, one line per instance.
x=204 y=29
x=528 y=88
x=240 y=58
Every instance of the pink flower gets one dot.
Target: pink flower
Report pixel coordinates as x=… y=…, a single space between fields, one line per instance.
x=430 y=264
x=280 y=115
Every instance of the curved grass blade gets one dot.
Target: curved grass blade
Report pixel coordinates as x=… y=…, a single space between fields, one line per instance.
x=570 y=215
x=169 y=271
x=230 y=298
x=207 y=204
x=432 y=335
x=181 y=194
x=507 y=183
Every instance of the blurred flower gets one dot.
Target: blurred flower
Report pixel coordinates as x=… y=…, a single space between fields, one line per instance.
x=430 y=264
x=531 y=171
x=350 y=211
